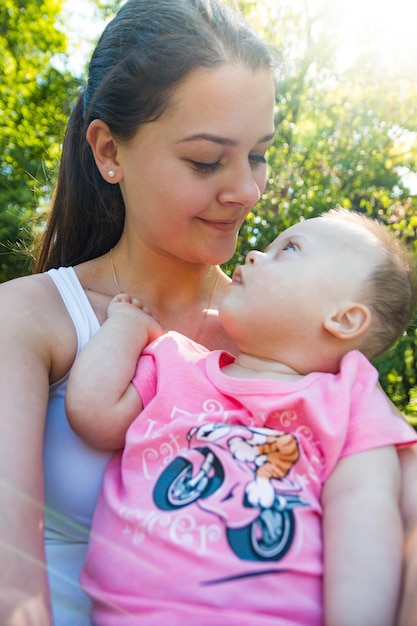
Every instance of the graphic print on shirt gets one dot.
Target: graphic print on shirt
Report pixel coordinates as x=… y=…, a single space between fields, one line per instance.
x=237 y=474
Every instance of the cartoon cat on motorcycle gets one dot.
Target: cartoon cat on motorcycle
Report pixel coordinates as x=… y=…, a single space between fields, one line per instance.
x=234 y=472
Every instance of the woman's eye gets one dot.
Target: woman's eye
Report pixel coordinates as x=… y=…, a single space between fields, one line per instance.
x=205 y=168
x=257 y=159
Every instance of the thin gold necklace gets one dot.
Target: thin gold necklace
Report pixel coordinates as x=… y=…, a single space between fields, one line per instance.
x=206 y=310
x=116 y=282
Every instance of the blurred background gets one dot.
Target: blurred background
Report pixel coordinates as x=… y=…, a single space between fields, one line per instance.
x=346 y=118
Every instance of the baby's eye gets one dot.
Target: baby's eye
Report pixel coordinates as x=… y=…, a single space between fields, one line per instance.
x=290 y=246
x=205 y=168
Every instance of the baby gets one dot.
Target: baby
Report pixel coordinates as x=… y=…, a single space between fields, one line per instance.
x=260 y=488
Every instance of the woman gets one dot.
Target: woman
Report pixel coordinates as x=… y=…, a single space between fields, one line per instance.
x=163 y=158
x=162 y=161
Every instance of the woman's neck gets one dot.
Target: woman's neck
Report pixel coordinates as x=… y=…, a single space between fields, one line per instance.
x=182 y=296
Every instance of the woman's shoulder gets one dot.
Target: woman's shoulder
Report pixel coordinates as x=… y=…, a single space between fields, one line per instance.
x=36 y=289
x=35 y=321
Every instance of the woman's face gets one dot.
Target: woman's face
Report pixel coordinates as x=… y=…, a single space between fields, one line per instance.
x=190 y=178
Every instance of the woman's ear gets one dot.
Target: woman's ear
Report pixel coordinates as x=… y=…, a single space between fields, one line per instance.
x=349 y=322
x=104 y=151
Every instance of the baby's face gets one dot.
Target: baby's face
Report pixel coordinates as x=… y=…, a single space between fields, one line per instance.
x=309 y=271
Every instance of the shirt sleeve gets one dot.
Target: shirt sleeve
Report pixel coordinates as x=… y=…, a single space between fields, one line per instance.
x=372 y=422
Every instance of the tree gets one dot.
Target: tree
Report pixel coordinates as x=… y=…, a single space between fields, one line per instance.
x=346 y=130
x=33 y=93
x=345 y=117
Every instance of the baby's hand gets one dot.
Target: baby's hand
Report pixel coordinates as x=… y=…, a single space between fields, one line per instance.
x=124 y=304
x=123 y=299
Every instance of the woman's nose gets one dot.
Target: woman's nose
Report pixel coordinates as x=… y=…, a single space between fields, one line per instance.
x=242 y=188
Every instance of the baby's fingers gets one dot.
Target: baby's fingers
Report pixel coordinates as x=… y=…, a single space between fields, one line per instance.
x=122 y=297
x=139 y=304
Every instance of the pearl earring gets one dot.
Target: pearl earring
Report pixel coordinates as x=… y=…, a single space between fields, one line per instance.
x=111 y=173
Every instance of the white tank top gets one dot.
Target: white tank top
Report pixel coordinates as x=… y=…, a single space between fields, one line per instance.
x=73 y=474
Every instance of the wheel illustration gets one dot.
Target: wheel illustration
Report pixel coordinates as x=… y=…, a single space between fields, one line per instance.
x=177 y=487
x=267 y=538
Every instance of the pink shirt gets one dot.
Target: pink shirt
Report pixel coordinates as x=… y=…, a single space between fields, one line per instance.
x=212 y=513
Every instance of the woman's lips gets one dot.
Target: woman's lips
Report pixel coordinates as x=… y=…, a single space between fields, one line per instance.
x=225 y=226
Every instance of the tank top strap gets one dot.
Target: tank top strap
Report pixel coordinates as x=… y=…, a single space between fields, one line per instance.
x=77 y=304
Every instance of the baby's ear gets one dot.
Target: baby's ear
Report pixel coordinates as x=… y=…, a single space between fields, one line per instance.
x=350 y=321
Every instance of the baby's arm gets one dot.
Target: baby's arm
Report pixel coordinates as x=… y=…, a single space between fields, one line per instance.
x=363 y=539
x=101 y=401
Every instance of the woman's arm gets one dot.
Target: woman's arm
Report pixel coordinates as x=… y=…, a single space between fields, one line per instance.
x=30 y=334
x=101 y=402
x=408 y=462
x=363 y=538
x=408 y=604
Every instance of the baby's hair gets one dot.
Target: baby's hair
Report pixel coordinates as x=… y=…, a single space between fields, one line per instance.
x=391 y=289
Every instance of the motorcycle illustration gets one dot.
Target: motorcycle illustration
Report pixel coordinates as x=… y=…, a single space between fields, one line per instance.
x=238 y=474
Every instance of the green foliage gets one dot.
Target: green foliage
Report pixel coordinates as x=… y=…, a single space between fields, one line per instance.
x=345 y=136
x=398 y=373
x=107 y=8
x=346 y=128
x=33 y=113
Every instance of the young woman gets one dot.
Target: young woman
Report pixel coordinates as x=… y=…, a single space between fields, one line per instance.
x=163 y=158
